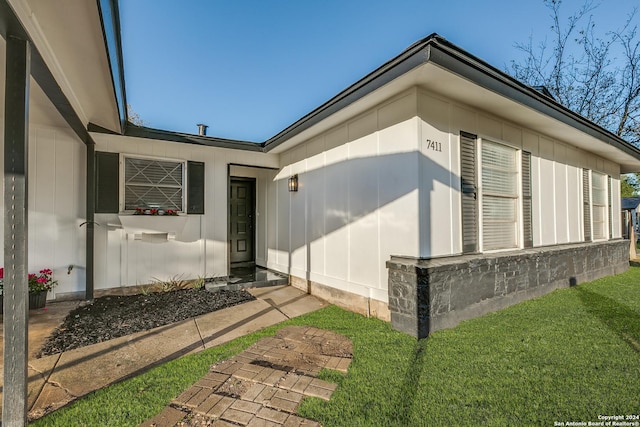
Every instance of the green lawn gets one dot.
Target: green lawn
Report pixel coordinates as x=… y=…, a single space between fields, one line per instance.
x=568 y=356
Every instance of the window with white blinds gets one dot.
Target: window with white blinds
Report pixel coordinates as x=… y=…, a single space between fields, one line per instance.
x=586 y=204
x=150 y=183
x=499 y=196
x=599 y=205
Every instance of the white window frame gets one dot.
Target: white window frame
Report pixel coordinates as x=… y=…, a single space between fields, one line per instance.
x=517 y=199
x=604 y=207
x=123 y=189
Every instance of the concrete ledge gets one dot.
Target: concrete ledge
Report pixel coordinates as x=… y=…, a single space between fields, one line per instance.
x=349 y=301
x=379 y=310
x=426 y=295
x=115 y=291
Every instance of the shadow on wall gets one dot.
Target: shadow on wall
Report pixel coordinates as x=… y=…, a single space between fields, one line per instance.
x=332 y=197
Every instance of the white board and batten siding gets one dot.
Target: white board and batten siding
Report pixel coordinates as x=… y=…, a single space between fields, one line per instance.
x=383 y=183
x=387 y=182
x=56 y=199
x=357 y=202
x=201 y=249
x=556 y=173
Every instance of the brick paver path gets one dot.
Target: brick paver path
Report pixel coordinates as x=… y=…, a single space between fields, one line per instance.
x=263 y=385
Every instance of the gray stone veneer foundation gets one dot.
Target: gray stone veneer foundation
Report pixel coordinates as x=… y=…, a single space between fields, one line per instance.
x=426 y=295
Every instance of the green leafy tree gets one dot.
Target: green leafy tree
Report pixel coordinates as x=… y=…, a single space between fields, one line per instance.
x=627 y=187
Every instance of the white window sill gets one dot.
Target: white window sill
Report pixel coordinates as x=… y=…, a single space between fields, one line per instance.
x=138 y=224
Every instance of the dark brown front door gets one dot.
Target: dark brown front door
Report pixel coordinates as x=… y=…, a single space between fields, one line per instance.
x=241 y=218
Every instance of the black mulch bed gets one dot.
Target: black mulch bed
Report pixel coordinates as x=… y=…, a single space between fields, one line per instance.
x=116 y=316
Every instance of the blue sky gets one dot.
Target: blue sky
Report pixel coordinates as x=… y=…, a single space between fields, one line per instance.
x=249 y=68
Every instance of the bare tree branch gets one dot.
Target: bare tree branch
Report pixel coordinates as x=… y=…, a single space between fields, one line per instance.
x=595 y=76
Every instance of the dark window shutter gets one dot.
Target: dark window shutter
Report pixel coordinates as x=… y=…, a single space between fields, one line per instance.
x=610 y=198
x=586 y=205
x=107 y=182
x=195 y=190
x=527 y=227
x=468 y=187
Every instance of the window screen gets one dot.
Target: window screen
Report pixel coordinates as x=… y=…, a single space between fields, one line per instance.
x=499 y=196
x=153 y=184
x=599 y=205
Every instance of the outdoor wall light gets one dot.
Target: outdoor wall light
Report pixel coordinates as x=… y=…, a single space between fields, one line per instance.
x=293 y=183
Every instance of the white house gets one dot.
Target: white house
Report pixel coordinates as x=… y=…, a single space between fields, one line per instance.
x=433 y=160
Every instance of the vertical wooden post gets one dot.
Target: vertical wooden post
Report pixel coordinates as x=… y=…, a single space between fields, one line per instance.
x=16 y=298
x=90 y=212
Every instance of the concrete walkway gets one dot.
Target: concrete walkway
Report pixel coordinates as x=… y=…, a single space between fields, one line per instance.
x=56 y=380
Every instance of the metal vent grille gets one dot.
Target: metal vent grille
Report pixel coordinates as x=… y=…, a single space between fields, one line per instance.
x=153 y=184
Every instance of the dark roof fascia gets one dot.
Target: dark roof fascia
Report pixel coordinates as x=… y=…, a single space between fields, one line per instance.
x=210 y=141
x=10 y=26
x=120 y=96
x=92 y=127
x=438 y=50
x=242 y=165
x=458 y=61
x=543 y=90
x=412 y=57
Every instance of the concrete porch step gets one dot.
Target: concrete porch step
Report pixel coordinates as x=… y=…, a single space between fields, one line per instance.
x=246 y=278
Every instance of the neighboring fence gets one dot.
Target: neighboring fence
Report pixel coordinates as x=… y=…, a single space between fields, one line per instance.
x=627 y=224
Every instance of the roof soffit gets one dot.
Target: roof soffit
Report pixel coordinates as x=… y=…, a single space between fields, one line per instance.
x=437 y=66
x=69 y=37
x=467 y=93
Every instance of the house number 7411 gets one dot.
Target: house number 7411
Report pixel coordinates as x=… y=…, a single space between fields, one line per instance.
x=434 y=145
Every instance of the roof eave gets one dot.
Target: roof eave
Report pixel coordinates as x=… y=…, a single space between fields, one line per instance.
x=439 y=51
x=10 y=26
x=414 y=56
x=159 y=134
x=456 y=60
x=111 y=32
